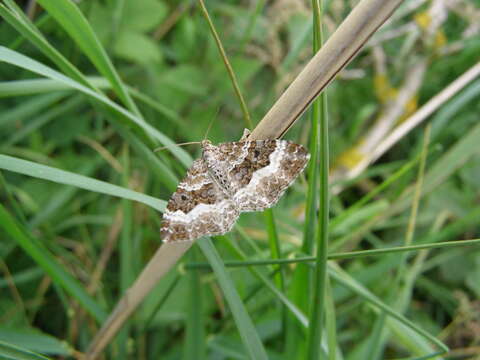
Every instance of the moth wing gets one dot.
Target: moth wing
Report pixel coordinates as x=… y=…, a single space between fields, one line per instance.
x=265 y=174
x=199 y=207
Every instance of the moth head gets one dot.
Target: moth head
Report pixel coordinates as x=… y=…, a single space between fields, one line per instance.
x=206 y=144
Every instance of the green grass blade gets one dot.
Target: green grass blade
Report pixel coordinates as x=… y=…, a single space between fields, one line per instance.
x=346 y=280
x=40 y=86
x=469 y=220
x=337 y=221
x=274 y=243
x=161 y=170
x=195 y=330
x=67 y=14
x=444 y=167
x=390 y=250
x=300 y=288
x=17 y=59
x=330 y=322
x=297 y=314
x=16 y=18
x=9 y=351
x=65 y=177
x=459 y=102
x=31 y=87
x=129 y=258
x=314 y=338
x=29 y=108
x=244 y=323
x=36 y=86
x=24 y=276
x=34 y=340
x=39 y=121
x=47 y=262
x=231 y=73
x=61 y=197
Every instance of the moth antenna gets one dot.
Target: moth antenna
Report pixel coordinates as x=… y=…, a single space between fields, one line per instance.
x=211 y=123
x=181 y=144
x=191 y=142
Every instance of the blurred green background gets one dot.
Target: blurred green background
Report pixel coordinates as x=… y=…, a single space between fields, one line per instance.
x=90 y=88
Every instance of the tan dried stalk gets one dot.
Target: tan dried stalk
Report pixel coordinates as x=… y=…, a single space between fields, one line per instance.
x=337 y=52
x=342 y=46
x=163 y=260
x=424 y=112
x=386 y=131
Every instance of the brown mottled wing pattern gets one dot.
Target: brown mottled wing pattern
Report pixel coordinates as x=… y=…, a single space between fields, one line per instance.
x=198 y=207
x=266 y=172
x=222 y=159
x=230 y=178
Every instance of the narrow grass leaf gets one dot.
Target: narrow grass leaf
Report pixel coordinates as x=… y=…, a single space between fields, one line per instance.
x=29 y=108
x=38 y=86
x=67 y=14
x=12 y=352
x=274 y=243
x=244 y=323
x=38 y=121
x=65 y=177
x=314 y=338
x=345 y=279
x=330 y=322
x=195 y=329
x=47 y=262
x=231 y=73
x=297 y=313
x=160 y=169
x=454 y=106
x=347 y=255
x=31 y=87
x=22 y=277
x=35 y=340
x=444 y=167
x=61 y=196
x=17 y=18
x=17 y=59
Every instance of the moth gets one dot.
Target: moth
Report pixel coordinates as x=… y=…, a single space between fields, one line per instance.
x=228 y=179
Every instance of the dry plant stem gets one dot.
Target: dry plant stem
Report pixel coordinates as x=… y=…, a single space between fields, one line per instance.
x=418 y=189
x=422 y=114
x=230 y=71
x=13 y=288
x=31 y=8
x=165 y=26
x=396 y=108
x=98 y=147
x=100 y=266
x=163 y=260
x=411 y=122
x=426 y=110
x=107 y=251
x=340 y=48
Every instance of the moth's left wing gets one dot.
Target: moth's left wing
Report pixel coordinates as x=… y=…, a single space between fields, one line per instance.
x=198 y=207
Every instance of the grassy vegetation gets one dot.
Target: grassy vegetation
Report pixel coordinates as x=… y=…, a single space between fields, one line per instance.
x=390 y=199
